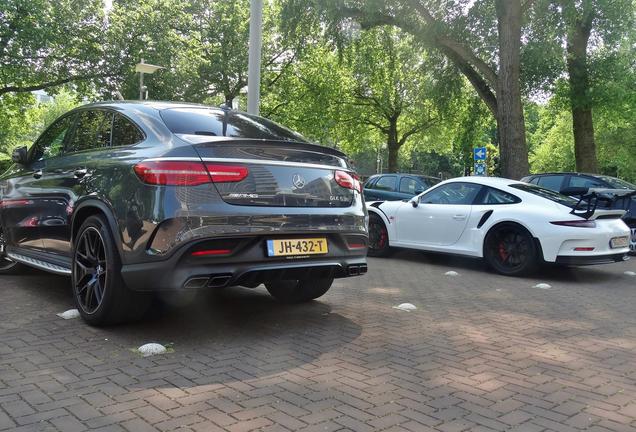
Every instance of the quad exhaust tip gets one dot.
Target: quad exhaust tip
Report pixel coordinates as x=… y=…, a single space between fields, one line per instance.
x=214 y=281
x=356 y=269
x=219 y=281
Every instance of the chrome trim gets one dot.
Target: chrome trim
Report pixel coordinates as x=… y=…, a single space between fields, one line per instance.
x=251 y=161
x=42 y=265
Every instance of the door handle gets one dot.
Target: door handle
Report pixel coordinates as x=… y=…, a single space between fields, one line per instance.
x=37 y=174
x=459 y=217
x=80 y=172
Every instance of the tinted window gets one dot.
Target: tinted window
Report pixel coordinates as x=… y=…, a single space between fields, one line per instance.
x=125 y=132
x=618 y=183
x=496 y=196
x=51 y=142
x=410 y=186
x=386 y=183
x=92 y=131
x=551 y=182
x=452 y=193
x=370 y=182
x=218 y=122
x=586 y=182
x=427 y=182
x=547 y=194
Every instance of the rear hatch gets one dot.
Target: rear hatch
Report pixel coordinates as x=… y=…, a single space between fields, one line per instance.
x=277 y=173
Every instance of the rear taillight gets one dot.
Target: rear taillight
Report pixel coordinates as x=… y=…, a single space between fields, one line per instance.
x=576 y=223
x=348 y=181
x=227 y=173
x=174 y=173
x=179 y=173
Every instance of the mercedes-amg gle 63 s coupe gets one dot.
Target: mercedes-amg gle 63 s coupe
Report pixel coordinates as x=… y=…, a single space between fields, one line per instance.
x=129 y=198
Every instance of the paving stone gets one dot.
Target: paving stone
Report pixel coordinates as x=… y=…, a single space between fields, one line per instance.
x=483 y=353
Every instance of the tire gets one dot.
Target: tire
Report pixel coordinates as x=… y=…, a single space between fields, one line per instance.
x=632 y=239
x=298 y=291
x=378 y=237
x=510 y=250
x=7 y=265
x=99 y=292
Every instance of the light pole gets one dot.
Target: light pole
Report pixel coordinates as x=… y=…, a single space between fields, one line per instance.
x=143 y=68
x=254 y=60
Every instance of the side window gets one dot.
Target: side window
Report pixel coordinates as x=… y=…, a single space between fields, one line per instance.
x=125 y=132
x=409 y=185
x=386 y=183
x=496 y=196
x=51 y=142
x=534 y=181
x=92 y=131
x=586 y=182
x=552 y=182
x=452 y=193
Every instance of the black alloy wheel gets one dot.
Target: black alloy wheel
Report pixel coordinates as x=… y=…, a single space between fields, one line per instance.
x=99 y=291
x=510 y=250
x=378 y=237
x=90 y=272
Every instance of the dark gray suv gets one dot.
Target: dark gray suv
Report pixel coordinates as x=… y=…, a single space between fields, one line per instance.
x=129 y=198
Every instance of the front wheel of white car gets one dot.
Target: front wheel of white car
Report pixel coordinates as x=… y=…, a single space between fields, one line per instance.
x=510 y=250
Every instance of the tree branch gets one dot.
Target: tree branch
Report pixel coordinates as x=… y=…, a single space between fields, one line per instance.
x=49 y=84
x=469 y=64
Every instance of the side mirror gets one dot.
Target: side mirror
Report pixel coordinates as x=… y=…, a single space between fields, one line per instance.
x=19 y=155
x=415 y=202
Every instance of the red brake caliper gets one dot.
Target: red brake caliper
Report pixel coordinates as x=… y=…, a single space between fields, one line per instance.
x=503 y=254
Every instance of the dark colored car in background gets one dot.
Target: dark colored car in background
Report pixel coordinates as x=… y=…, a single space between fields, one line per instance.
x=560 y=182
x=135 y=197
x=394 y=187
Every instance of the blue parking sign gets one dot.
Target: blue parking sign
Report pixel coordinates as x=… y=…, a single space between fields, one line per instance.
x=480 y=153
x=480 y=169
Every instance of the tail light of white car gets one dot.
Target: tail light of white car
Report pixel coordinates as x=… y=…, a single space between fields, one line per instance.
x=576 y=223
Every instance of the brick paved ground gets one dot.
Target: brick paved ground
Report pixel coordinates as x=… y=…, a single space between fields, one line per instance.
x=481 y=353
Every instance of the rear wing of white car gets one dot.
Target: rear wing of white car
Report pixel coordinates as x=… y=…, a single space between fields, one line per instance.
x=590 y=198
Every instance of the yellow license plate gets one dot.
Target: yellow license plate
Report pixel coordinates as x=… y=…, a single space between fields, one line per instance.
x=291 y=247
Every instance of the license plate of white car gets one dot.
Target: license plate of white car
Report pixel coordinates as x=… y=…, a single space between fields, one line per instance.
x=619 y=242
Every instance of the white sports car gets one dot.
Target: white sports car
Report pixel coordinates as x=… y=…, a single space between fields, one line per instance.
x=514 y=226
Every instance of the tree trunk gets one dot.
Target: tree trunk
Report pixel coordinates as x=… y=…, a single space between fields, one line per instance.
x=581 y=106
x=512 y=138
x=393 y=145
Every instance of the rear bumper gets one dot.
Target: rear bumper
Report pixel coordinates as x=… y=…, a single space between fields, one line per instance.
x=247 y=265
x=591 y=260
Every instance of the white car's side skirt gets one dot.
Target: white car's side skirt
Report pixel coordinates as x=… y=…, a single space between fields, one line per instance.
x=433 y=248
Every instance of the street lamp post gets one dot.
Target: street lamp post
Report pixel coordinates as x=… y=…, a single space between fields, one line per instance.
x=144 y=68
x=254 y=60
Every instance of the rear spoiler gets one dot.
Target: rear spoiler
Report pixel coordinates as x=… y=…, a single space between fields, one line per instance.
x=589 y=198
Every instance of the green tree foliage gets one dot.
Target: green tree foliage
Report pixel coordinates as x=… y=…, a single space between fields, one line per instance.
x=44 y=44
x=22 y=119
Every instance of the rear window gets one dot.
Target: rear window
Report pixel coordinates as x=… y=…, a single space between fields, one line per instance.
x=219 y=122
x=546 y=193
x=618 y=183
x=429 y=181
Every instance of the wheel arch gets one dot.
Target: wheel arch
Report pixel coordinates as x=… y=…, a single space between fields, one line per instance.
x=379 y=213
x=536 y=239
x=92 y=207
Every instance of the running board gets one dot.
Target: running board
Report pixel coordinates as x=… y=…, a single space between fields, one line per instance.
x=42 y=265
